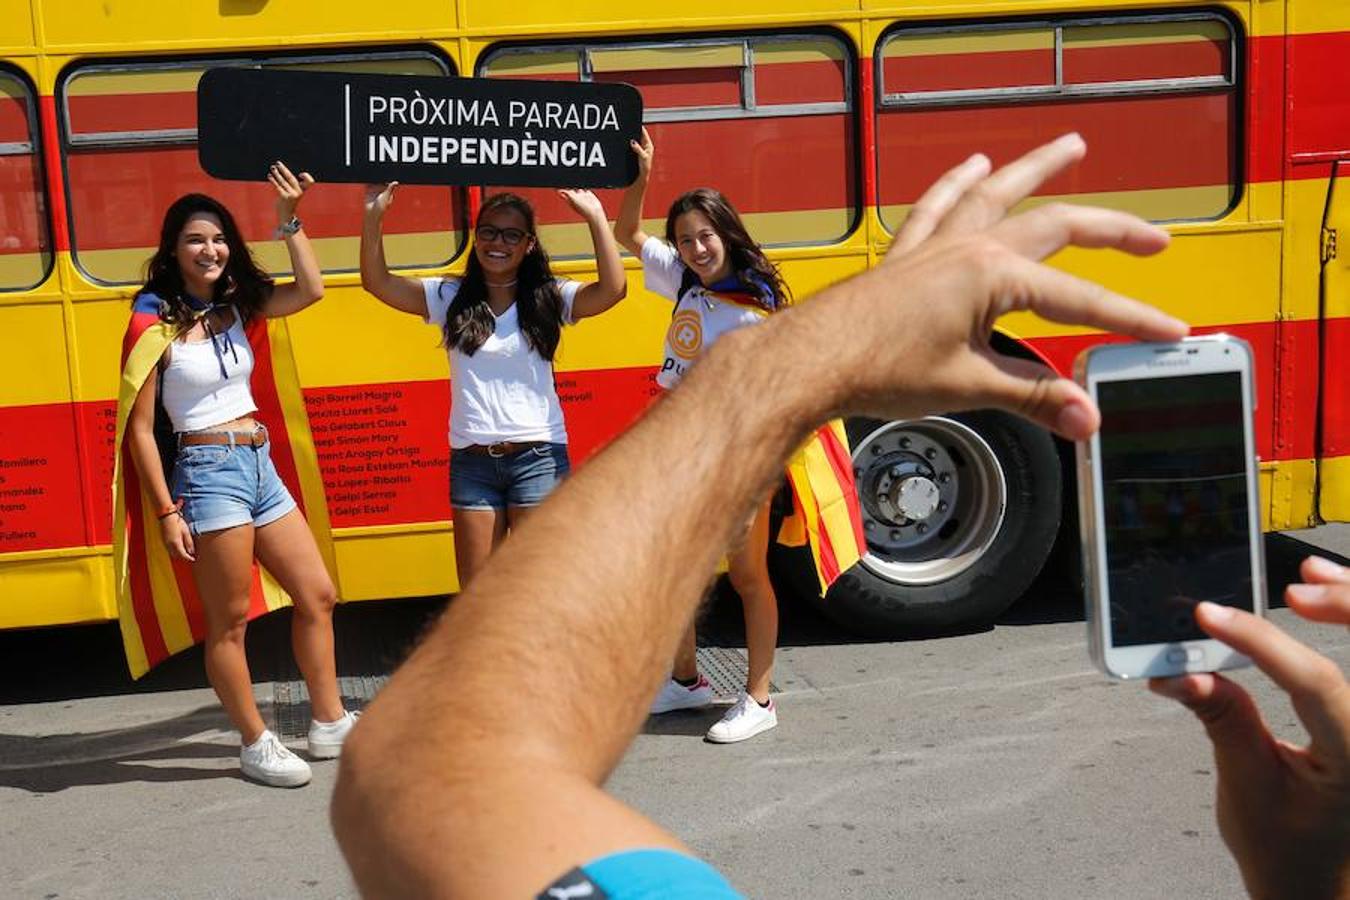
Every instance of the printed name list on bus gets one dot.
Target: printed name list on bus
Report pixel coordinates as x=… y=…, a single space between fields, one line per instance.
x=347 y=127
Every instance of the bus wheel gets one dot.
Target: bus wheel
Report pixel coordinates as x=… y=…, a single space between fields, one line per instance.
x=960 y=512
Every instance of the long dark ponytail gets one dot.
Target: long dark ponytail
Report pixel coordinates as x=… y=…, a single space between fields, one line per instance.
x=469 y=321
x=242 y=284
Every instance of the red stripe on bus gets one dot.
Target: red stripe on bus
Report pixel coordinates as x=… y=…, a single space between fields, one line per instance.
x=22 y=229
x=56 y=189
x=1189 y=59
x=968 y=71
x=1286 y=356
x=819 y=81
x=14 y=120
x=118 y=197
x=867 y=101
x=1134 y=144
x=153 y=111
x=676 y=88
x=1335 y=389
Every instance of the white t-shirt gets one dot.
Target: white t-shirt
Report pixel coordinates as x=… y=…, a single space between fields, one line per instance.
x=505 y=390
x=699 y=318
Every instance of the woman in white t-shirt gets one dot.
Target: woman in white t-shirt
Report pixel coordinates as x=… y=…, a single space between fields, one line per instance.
x=500 y=324
x=720 y=280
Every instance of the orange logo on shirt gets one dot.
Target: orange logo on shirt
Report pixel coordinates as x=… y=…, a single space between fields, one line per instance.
x=686 y=334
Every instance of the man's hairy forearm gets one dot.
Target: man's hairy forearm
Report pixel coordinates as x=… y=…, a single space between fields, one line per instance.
x=631 y=575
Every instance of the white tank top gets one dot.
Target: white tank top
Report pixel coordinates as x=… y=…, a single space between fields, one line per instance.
x=195 y=394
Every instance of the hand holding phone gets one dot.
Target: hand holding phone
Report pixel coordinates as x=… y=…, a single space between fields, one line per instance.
x=1168 y=502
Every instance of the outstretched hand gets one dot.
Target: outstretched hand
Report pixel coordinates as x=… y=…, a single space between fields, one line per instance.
x=963 y=263
x=1283 y=810
x=643 y=150
x=290 y=189
x=585 y=204
x=379 y=197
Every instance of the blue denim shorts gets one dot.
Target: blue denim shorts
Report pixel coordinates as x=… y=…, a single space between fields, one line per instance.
x=224 y=485
x=479 y=481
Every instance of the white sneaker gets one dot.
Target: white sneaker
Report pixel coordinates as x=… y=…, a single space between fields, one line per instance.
x=267 y=760
x=744 y=720
x=675 y=696
x=325 y=738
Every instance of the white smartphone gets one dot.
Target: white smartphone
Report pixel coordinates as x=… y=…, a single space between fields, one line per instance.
x=1168 y=502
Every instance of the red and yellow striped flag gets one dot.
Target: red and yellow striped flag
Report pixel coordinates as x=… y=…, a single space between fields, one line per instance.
x=825 y=504
x=157 y=604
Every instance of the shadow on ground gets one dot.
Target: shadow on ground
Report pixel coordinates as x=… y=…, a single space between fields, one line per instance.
x=44 y=764
x=53 y=664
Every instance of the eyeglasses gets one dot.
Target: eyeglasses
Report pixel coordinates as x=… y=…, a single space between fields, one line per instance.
x=509 y=236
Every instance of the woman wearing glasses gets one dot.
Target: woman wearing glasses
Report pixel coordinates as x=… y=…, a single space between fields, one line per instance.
x=500 y=324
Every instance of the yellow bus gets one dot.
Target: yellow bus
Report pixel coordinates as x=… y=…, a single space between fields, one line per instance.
x=821 y=119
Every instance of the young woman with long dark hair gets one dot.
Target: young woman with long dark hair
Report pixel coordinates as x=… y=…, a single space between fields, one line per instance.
x=500 y=324
x=720 y=280
x=224 y=504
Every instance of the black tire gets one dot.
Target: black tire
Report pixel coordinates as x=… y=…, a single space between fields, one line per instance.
x=977 y=556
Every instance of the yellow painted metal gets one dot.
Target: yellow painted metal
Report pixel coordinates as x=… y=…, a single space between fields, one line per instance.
x=33 y=346
x=100 y=26
x=1184 y=279
x=396 y=563
x=55 y=589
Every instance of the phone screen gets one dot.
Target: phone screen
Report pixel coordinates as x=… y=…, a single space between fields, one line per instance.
x=1174 y=480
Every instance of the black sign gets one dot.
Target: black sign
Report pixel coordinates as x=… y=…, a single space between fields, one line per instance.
x=417 y=129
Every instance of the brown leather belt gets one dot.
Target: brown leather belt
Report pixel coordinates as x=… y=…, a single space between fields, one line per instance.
x=502 y=448
x=255 y=438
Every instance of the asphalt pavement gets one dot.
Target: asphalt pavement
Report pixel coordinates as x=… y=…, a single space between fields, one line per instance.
x=990 y=764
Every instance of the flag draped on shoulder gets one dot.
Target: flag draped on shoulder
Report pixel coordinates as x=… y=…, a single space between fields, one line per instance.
x=825 y=516
x=157 y=604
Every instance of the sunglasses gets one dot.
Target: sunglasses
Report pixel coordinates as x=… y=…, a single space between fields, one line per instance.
x=509 y=236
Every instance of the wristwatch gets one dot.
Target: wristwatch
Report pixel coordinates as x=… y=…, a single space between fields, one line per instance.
x=286 y=229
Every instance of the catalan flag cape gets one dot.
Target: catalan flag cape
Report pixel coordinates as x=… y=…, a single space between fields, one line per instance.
x=157 y=603
x=825 y=514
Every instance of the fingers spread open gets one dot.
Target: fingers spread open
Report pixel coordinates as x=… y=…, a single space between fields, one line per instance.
x=1010 y=185
x=936 y=202
x=1045 y=230
x=1063 y=298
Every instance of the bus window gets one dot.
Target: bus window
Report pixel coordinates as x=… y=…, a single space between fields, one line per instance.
x=25 y=251
x=1155 y=97
x=745 y=115
x=131 y=132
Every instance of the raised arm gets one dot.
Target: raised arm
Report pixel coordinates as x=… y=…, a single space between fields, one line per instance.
x=402 y=293
x=485 y=801
x=307 y=287
x=611 y=286
x=140 y=437
x=628 y=229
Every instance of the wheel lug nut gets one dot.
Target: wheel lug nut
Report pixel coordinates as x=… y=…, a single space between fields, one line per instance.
x=942 y=506
x=895 y=471
x=895 y=534
x=945 y=477
x=876 y=448
x=904 y=443
x=923 y=529
x=930 y=453
x=869 y=525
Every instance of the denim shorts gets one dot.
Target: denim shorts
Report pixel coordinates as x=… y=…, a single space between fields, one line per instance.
x=223 y=485
x=479 y=481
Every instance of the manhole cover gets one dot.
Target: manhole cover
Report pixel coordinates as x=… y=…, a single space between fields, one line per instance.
x=290 y=702
x=726 y=669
